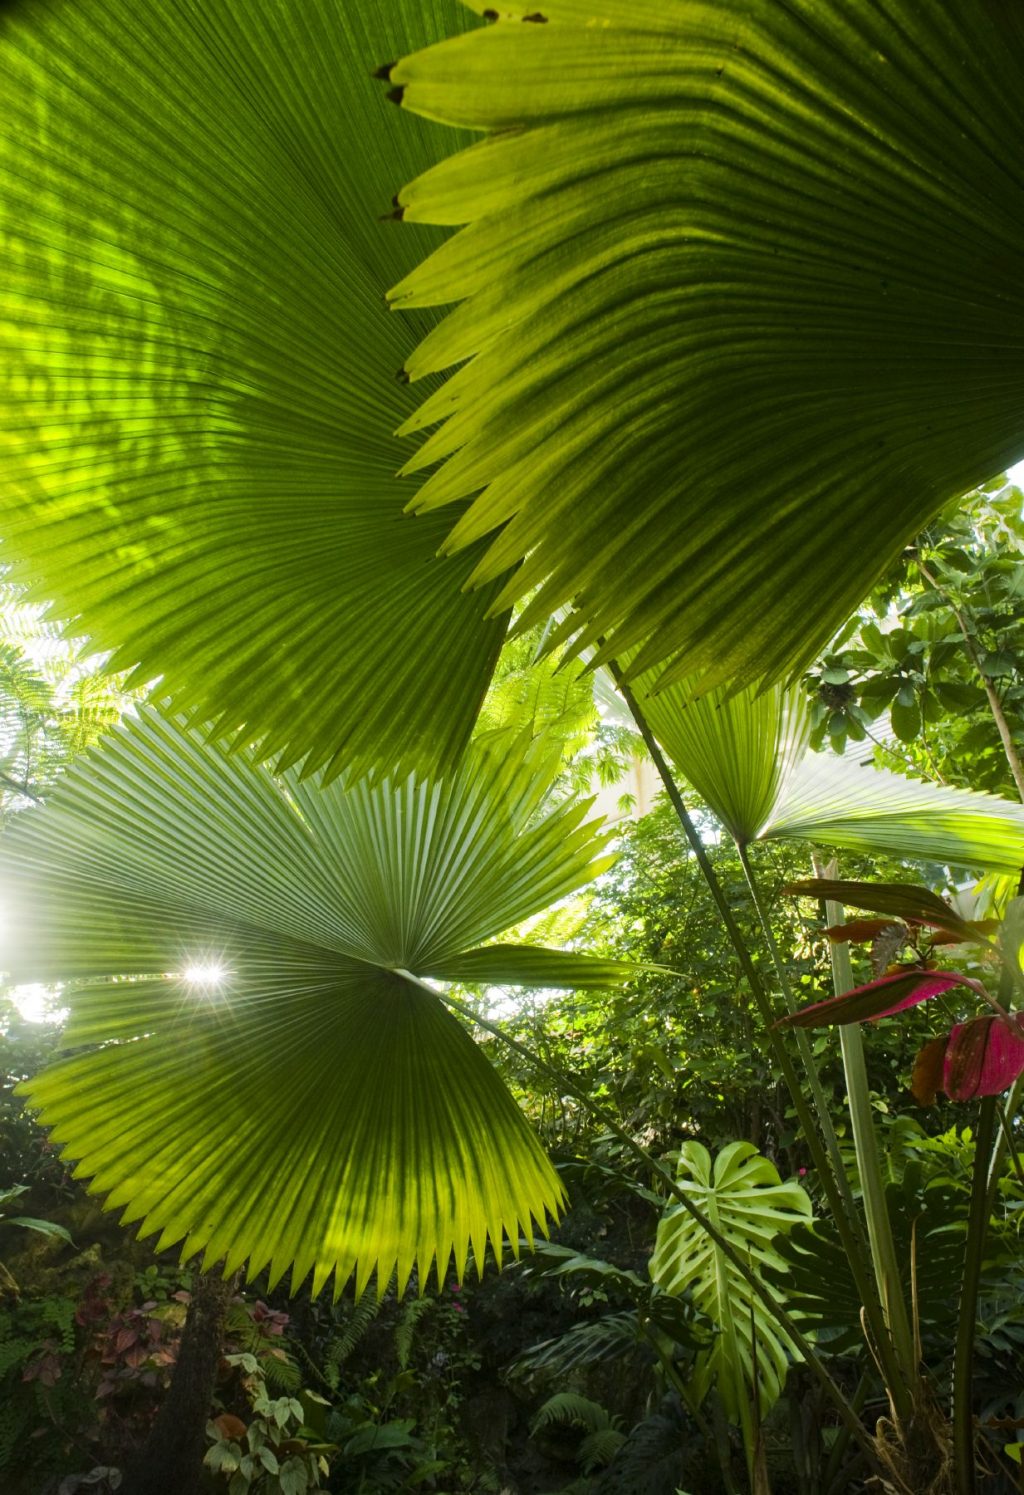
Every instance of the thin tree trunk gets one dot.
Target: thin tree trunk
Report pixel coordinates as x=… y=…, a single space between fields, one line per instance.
x=994 y=703
x=170 y=1461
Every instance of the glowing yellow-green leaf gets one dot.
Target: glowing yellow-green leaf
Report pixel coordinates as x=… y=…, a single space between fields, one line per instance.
x=738 y=750
x=197 y=369
x=260 y=1071
x=744 y=1196
x=738 y=307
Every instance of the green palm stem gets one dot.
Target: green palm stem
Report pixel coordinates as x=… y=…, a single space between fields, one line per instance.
x=830 y=1178
x=859 y=1255
x=578 y=1091
x=876 y=1211
x=967 y=1312
x=1005 y=1144
x=842 y=1438
x=990 y=1147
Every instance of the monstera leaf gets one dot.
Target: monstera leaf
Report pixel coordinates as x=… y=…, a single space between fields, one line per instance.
x=745 y=1199
x=740 y=306
x=929 y=1221
x=198 y=369
x=259 y=1069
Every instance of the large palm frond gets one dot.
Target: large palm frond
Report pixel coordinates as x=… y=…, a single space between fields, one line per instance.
x=742 y=306
x=198 y=369
x=746 y=754
x=266 y=1075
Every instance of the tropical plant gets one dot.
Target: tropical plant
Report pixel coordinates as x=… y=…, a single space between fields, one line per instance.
x=28 y=1222
x=246 y=941
x=662 y=1322
x=738 y=312
x=651 y=258
x=602 y=1436
x=274 y=1452
x=748 y=1358
x=53 y=702
x=981 y=1057
x=746 y=754
x=938 y=647
x=217 y=498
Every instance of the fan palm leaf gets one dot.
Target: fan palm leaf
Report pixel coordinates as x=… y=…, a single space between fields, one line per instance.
x=746 y=754
x=198 y=369
x=259 y=1069
x=740 y=307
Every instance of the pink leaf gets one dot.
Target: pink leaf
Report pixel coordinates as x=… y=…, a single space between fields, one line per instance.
x=983 y=1057
x=879 y=998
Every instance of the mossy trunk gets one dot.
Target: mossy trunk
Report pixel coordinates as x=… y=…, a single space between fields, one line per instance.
x=170 y=1461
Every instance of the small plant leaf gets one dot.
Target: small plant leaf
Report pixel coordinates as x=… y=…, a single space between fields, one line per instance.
x=926 y=1081
x=42 y=1227
x=858 y=930
x=912 y=904
x=881 y=998
x=983 y=1057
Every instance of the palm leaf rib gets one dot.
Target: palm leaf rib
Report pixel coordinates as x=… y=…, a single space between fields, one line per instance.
x=740 y=307
x=258 y=1070
x=198 y=367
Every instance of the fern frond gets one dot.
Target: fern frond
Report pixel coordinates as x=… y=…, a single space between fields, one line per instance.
x=569 y=1409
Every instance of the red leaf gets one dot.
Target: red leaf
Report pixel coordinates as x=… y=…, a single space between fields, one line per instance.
x=858 y=929
x=879 y=998
x=926 y=1081
x=125 y=1339
x=912 y=904
x=983 y=1057
x=230 y=1427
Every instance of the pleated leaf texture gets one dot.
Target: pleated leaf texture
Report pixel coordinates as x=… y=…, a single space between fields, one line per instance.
x=746 y=754
x=259 y=1071
x=741 y=306
x=742 y=1193
x=198 y=367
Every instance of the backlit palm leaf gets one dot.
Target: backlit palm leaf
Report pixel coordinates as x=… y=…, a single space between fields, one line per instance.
x=198 y=371
x=738 y=749
x=839 y=803
x=746 y=754
x=742 y=306
x=274 y=1084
